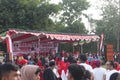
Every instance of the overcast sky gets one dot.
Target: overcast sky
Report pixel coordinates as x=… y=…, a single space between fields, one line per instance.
x=92 y=11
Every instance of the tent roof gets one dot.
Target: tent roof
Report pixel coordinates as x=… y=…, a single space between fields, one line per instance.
x=25 y=36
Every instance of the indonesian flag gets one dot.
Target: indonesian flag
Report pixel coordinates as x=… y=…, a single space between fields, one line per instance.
x=101 y=41
x=9 y=45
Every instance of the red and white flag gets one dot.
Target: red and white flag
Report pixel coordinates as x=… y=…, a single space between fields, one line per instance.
x=9 y=45
x=101 y=41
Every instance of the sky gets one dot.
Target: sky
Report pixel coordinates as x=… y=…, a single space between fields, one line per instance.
x=92 y=11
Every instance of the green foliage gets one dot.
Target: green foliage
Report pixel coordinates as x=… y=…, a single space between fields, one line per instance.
x=110 y=24
x=71 y=16
x=27 y=14
x=87 y=48
x=77 y=27
x=65 y=46
x=35 y=15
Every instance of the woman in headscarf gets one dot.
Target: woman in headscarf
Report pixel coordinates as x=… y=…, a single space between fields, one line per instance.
x=30 y=72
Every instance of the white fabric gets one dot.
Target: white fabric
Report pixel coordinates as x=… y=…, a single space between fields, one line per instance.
x=56 y=73
x=99 y=73
x=109 y=73
x=87 y=67
x=62 y=58
x=63 y=75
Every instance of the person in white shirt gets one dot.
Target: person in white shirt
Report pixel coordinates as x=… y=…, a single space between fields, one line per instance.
x=83 y=59
x=111 y=67
x=99 y=72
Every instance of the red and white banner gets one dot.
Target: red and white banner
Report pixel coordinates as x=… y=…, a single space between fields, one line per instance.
x=25 y=48
x=101 y=41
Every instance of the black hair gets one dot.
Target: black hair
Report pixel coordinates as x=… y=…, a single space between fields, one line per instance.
x=76 y=71
x=73 y=61
x=87 y=74
x=114 y=76
x=6 y=68
x=112 y=64
x=83 y=57
x=35 y=60
x=48 y=74
x=52 y=63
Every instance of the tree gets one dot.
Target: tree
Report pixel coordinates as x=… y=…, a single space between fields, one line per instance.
x=27 y=14
x=71 y=15
x=110 y=22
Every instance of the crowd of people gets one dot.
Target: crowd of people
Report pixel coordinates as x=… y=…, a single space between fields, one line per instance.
x=59 y=67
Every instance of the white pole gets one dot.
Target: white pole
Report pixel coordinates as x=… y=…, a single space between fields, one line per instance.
x=82 y=48
x=73 y=48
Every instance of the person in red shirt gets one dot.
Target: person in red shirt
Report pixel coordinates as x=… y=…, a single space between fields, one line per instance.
x=117 y=66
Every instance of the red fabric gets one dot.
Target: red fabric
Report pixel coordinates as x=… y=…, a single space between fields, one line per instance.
x=17 y=61
x=23 y=61
x=63 y=66
x=9 y=43
x=66 y=66
x=87 y=62
x=118 y=68
x=41 y=76
x=93 y=64
x=39 y=63
x=57 y=60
